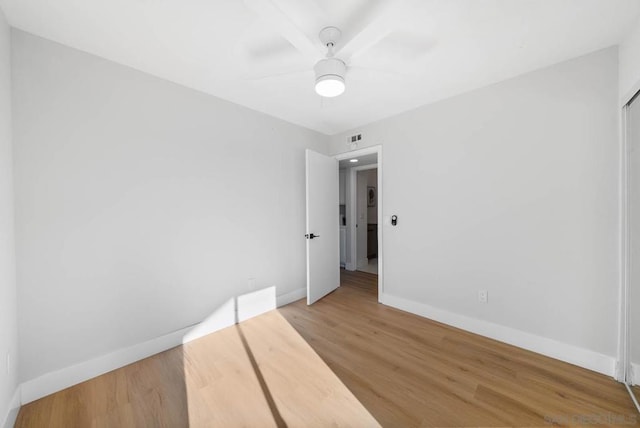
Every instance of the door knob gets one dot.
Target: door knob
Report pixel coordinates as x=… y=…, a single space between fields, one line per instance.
x=311 y=236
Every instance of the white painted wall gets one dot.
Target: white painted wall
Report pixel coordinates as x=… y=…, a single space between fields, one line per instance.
x=629 y=64
x=372 y=181
x=511 y=188
x=342 y=187
x=349 y=264
x=361 y=211
x=8 y=302
x=141 y=205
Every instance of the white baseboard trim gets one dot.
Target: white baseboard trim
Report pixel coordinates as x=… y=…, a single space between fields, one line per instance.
x=60 y=379
x=227 y=314
x=619 y=371
x=291 y=297
x=561 y=351
x=14 y=407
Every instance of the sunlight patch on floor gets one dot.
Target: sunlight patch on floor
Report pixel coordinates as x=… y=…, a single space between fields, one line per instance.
x=261 y=372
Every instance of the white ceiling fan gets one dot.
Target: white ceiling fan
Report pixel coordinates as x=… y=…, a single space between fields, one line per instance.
x=333 y=52
x=331 y=70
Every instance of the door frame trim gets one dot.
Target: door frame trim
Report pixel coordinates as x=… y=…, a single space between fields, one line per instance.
x=624 y=370
x=351 y=191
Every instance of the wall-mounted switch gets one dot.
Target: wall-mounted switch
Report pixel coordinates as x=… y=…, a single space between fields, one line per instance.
x=483 y=296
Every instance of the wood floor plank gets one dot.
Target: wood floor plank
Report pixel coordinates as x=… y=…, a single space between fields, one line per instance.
x=260 y=373
x=410 y=371
x=340 y=362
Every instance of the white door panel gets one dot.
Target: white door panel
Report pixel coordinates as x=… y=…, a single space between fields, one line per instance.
x=323 y=251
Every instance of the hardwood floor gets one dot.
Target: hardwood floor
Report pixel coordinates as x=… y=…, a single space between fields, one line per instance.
x=379 y=362
x=412 y=372
x=260 y=373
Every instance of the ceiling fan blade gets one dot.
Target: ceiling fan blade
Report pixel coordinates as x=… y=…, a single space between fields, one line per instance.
x=357 y=71
x=306 y=14
x=405 y=46
x=399 y=53
x=278 y=76
x=280 y=22
x=268 y=50
x=366 y=29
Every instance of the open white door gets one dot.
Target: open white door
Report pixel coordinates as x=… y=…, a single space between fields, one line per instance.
x=323 y=253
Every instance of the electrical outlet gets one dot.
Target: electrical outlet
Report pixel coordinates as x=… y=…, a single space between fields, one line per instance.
x=483 y=296
x=252 y=284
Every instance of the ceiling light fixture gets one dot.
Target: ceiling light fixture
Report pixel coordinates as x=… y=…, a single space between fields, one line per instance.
x=353 y=160
x=330 y=71
x=330 y=77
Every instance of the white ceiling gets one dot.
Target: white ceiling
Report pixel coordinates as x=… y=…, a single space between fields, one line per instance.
x=434 y=48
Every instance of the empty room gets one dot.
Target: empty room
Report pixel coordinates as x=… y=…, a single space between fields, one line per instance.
x=313 y=213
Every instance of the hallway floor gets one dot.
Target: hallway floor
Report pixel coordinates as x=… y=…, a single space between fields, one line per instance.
x=372 y=267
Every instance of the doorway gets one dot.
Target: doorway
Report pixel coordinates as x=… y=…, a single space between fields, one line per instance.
x=360 y=210
x=367 y=220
